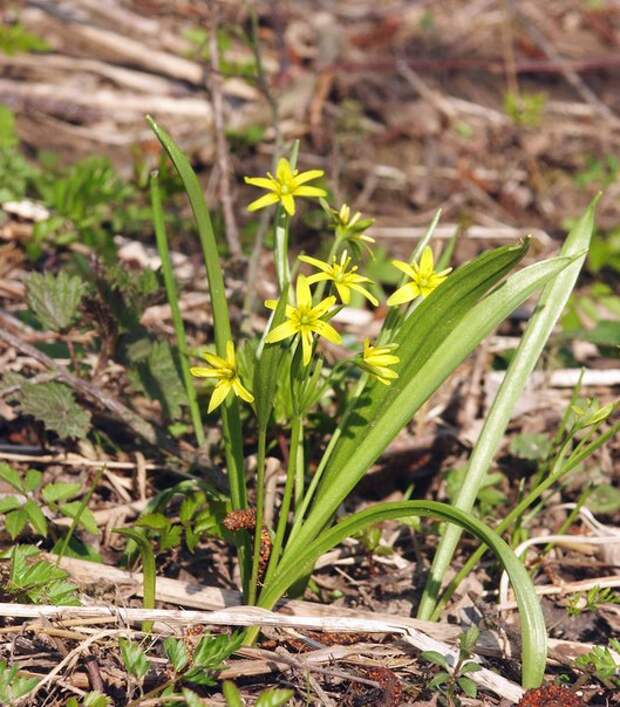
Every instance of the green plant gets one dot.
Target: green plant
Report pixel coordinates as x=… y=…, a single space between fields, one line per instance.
x=271 y=697
x=90 y=699
x=593 y=598
x=14 y=684
x=525 y=109
x=453 y=679
x=16 y=39
x=37 y=581
x=602 y=664
x=443 y=319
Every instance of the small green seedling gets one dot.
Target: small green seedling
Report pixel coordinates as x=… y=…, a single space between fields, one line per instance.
x=592 y=600
x=601 y=664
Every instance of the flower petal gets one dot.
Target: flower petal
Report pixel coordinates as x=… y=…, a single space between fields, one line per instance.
x=230 y=354
x=214 y=360
x=320 y=264
x=302 y=292
x=220 y=393
x=283 y=331
x=404 y=267
x=289 y=203
x=266 y=200
x=241 y=391
x=307 y=176
x=309 y=191
x=327 y=331
x=284 y=173
x=344 y=292
x=201 y=372
x=318 y=277
x=306 y=346
x=362 y=290
x=426 y=261
x=262 y=182
x=404 y=294
x=323 y=306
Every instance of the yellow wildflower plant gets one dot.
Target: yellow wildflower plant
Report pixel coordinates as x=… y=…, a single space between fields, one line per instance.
x=227 y=375
x=285 y=186
x=304 y=320
x=344 y=279
x=378 y=359
x=424 y=279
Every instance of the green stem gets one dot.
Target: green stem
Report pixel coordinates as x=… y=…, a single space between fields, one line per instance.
x=260 y=511
x=283 y=271
x=173 y=301
x=309 y=495
x=299 y=467
x=276 y=549
x=76 y=519
x=574 y=460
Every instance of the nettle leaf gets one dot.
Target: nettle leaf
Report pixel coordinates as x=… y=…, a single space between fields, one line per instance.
x=176 y=652
x=134 y=659
x=54 y=299
x=53 y=404
x=157 y=373
x=274 y=697
x=60 y=491
x=11 y=477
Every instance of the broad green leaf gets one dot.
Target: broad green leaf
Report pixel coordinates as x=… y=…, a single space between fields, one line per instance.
x=211 y=651
x=36 y=517
x=14 y=684
x=153 y=521
x=531 y=445
x=379 y=429
x=54 y=405
x=134 y=659
x=439 y=679
x=533 y=630
x=54 y=299
x=551 y=303
x=436 y=658
x=468 y=686
x=176 y=652
x=10 y=503
x=192 y=699
x=11 y=477
x=60 y=491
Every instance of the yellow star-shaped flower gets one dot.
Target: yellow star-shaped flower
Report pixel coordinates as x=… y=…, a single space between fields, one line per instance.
x=285 y=186
x=304 y=320
x=377 y=359
x=344 y=279
x=424 y=279
x=225 y=370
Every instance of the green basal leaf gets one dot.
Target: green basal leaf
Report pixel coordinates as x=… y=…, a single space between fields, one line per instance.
x=54 y=299
x=274 y=697
x=11 y=477
x=15 y=522
x=176 y=652
x=231 y=694
x=134 y=659
x=32 y=480
x=36 y=517
x=533 y=631
x=60 y=491
x=53 y=404
x=14 y=684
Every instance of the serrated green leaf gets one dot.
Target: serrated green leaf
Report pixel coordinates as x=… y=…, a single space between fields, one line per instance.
x=32 y=480
x=11 y=477
x=15 y=522
x=54 y=299
x=171 y=537
x=274 y=697
x=176 y=653
x=36 y=517
x=96 y=699
x=13 y=684
x=436 y=658
x=191 y=698
x=10 y=503
x=134 y=659
x=439 y=679
x=53 y=404
x=211 y=651
x=468 y=686
x=60 y=491
x=153 y=521
x=86 y=517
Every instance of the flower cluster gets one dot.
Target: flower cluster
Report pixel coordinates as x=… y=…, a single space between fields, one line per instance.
x=306 y=318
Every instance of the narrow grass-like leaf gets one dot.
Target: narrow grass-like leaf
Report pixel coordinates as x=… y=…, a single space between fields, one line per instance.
x=175 y=310
x=550 y=306
x=416 y=387
x=231 y=423
x=149 y=570
x=533 y=631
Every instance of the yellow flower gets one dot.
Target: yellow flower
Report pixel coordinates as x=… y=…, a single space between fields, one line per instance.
x=377 y=359
x=225 y=370
x=304 y=319
x=344 y=280
x=286 y=185
x=424 y=279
